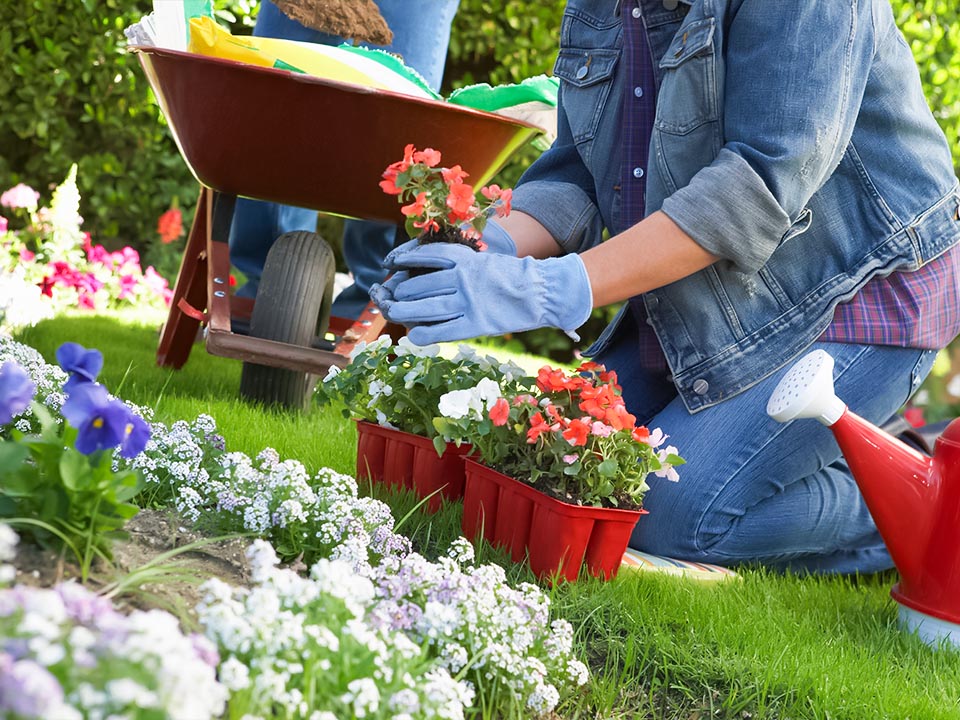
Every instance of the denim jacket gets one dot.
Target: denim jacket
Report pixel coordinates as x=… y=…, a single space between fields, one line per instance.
x=791 y=139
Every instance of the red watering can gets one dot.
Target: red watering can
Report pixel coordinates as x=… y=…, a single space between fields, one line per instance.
x=914 y=499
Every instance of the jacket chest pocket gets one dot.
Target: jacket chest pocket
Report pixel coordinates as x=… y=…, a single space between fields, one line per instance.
x=688 y=95
x=589 y=51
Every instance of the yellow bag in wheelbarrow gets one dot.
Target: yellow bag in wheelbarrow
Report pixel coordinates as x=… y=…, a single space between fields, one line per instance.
x=341 y=64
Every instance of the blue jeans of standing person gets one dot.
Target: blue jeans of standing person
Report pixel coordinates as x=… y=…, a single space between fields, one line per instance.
x=768 y=492
x=421 y=34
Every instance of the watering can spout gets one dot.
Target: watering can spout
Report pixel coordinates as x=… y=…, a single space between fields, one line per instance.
x=910 y=497
x=807 y=392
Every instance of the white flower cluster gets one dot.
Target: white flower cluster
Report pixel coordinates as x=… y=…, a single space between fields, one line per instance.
x=176 y=456
x=66 y=653
x=8 y=551
x=186 y=465
x=49 y=380
x=472 y=402
x=395 y=626
x=400 y=385
x=22 y=304
x=302 y=648
x=478 y=624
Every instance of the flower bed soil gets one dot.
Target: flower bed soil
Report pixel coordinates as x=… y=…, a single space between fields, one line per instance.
x=151 y=533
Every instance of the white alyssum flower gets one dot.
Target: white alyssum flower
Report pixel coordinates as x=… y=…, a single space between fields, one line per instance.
x=363 y=696
x=286 y=631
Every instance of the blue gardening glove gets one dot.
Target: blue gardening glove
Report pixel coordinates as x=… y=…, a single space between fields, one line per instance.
x=471 y=293
x=498 y=240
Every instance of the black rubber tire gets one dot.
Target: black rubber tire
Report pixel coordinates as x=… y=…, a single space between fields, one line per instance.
x=292 y=306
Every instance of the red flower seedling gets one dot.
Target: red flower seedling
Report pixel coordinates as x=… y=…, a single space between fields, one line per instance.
x=440 y=206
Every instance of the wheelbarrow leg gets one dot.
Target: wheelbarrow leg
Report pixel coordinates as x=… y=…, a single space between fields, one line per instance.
x=189 y=293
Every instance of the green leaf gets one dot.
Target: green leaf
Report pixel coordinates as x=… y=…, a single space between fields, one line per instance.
x=75 y=470
x=608 y=468
x=12 y=457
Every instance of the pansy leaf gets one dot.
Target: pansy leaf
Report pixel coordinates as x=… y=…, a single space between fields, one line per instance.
x=12 y=456
x=74 y=470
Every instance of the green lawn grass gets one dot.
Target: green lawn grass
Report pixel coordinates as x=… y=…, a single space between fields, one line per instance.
x=766 y=646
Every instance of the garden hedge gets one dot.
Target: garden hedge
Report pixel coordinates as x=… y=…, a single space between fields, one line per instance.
x=72 y=94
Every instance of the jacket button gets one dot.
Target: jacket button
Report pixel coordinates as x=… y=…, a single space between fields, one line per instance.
x=582 y=72
x=701 y=386
x=636 y=13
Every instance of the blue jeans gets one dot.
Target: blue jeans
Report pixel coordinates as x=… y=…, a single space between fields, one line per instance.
x=421 y=33
x=758 y=491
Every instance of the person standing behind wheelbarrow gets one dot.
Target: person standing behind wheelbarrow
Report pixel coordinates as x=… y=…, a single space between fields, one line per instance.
x=773 y=181
x=421 y=34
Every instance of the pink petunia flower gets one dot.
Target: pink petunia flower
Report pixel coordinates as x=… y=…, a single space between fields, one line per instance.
x=20 y=196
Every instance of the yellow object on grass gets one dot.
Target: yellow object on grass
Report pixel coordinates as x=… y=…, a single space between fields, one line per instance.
x=330 y=63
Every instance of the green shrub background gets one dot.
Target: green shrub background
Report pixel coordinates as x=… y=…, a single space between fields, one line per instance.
x=69 y=92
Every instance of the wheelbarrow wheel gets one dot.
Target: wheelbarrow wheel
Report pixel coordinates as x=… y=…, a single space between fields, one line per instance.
x=292 y=306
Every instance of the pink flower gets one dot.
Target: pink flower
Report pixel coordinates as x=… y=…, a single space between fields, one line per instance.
x=126 y=257
x=654 y=438
x=3 y=224
x=20 y=196
x=491 y=192
x=157 y=284
x=86 y=301
x=504 y=203
x=89 y=282
x=27 y=255
x=128 y=287
x=99 y=254
x=570 y=459
x=601 y=429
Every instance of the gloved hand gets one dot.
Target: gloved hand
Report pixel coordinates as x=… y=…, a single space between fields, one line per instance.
x=498 y=240
x=470 y=293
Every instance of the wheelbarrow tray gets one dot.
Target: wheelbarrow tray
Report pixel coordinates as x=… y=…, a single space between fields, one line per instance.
x=301 y=140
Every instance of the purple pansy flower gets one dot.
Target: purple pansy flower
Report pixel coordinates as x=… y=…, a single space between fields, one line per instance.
x=101 y=423
x=136 y=435
x=16 y=391
x=82 y=364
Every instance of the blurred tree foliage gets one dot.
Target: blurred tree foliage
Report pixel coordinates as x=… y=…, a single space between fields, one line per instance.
x=71 y=93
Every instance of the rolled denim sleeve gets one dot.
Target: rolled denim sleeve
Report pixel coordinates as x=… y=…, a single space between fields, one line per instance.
x=795 y=78
x=558 y=191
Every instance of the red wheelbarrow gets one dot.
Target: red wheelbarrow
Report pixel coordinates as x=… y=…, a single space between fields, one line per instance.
x=328 y=145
